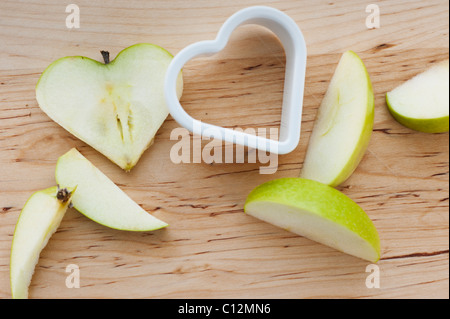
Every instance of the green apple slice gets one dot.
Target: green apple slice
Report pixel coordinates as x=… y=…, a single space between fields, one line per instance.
x=116 y=107
x=98 y=198
x=344 y=124
x=318 y=212
x=422 y=103
x=39 y=219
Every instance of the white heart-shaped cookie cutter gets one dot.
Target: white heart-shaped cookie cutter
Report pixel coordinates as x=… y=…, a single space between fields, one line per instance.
x=295 y=51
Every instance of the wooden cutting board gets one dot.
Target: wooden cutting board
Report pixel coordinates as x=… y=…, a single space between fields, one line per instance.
x=211 y=248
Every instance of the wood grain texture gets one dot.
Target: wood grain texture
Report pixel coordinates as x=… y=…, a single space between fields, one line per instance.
x=211 y=248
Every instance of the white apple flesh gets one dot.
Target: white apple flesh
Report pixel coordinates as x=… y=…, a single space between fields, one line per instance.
x=318 y=212
x=422 y=103
x=343 y=126
x=116 y=107
x=39 y=219
x=98 y=198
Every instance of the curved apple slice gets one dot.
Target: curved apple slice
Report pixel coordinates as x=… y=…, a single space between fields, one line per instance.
x=422 y=103
x=318 y=212
x=98 y=198
x=343 y=126
x=39 y=219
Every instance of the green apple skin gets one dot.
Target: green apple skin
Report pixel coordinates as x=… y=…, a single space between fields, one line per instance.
x=318 y=212
x=320 y=162
x=98 y=198
x=426 y=92
x=38 y=220
x=117 y=108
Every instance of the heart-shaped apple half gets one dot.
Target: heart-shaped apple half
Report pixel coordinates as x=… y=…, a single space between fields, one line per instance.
x=116 y=107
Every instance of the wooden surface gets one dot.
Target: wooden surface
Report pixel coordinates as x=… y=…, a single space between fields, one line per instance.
x=212 y=249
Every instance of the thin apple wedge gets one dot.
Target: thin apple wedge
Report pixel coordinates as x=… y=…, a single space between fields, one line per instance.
x=344 y=124
x=318 y=212
x=98 y=198
x=39 y=219
x=422 y=103
x=116 y=107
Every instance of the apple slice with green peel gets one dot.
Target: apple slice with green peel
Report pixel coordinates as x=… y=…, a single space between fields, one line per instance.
x=318 y=212
x=39 y=219
x=98 y=198
x=116 y=107
x=422 y=103
x=344 y=124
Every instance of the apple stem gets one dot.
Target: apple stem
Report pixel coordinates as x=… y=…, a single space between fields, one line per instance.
x=105 y=55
